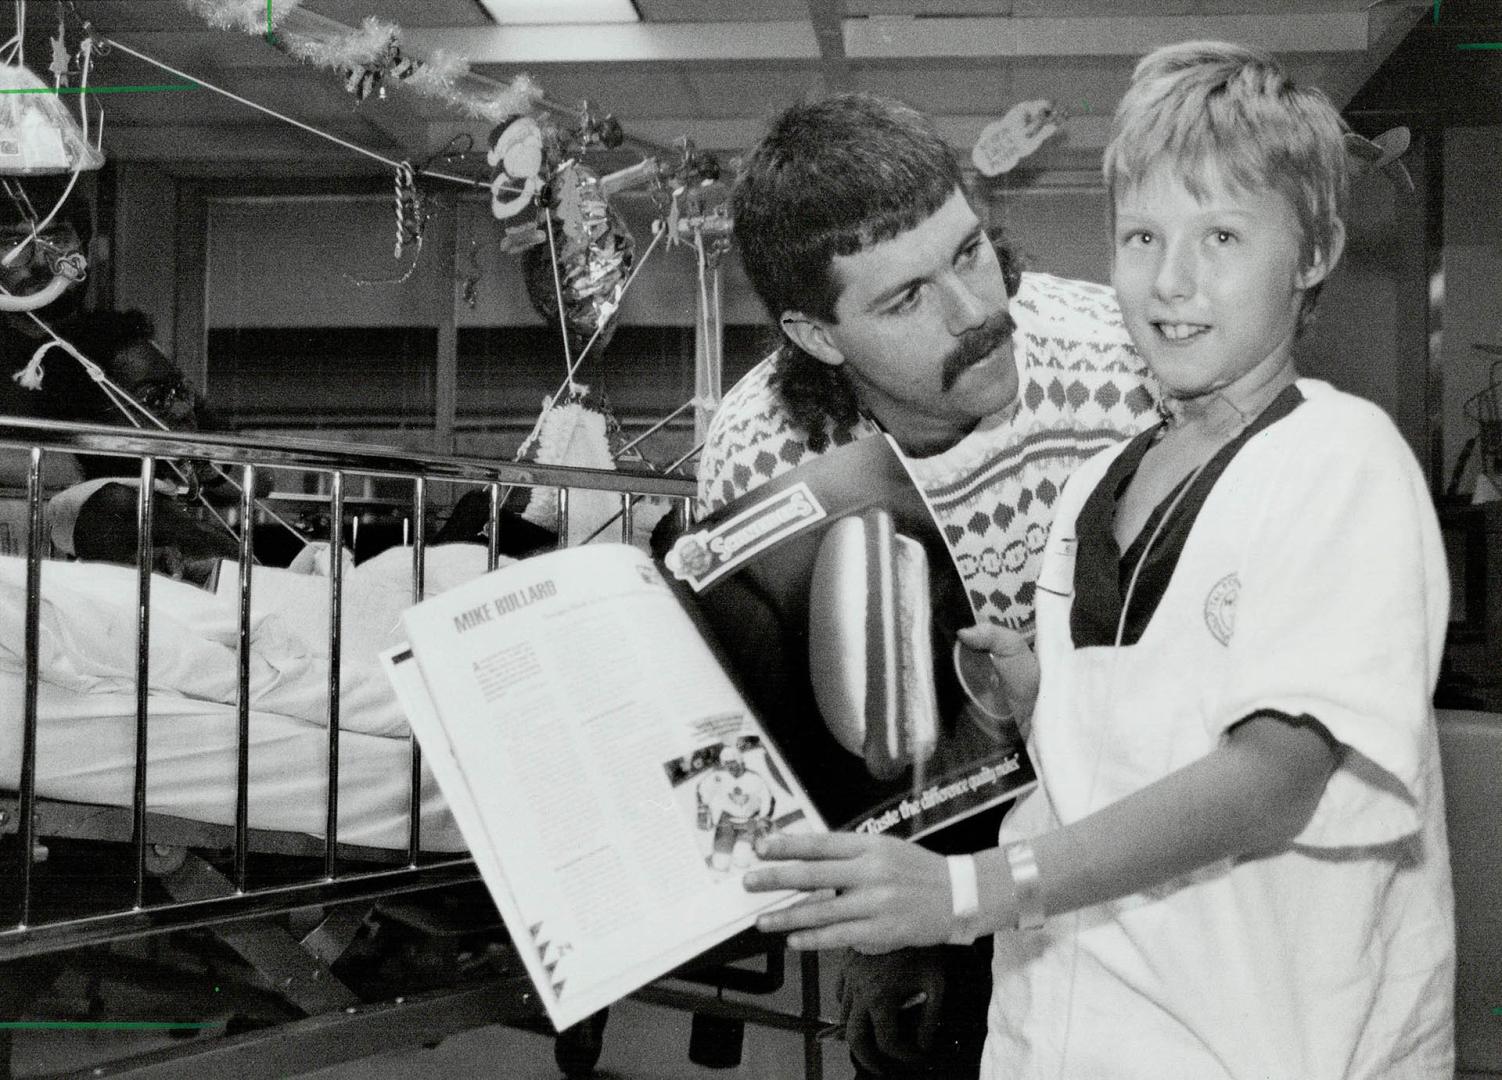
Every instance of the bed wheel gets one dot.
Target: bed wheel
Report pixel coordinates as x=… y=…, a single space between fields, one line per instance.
x=716 y=1041
x=576 y=1050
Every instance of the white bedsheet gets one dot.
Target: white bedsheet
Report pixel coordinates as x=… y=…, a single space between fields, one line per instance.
x=86 y=753
x=87 y=695
x=88 y=633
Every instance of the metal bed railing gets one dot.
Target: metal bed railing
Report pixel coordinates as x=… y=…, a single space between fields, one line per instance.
x=343 y=873
x=243 y=458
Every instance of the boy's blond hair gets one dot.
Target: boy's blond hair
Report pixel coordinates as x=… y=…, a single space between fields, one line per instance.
x=1216 y=111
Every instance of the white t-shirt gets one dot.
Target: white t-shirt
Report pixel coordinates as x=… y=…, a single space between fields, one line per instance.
x=1083 y=387
x=1311 y=583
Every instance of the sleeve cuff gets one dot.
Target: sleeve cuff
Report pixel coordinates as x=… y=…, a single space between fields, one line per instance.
x=1372 y=796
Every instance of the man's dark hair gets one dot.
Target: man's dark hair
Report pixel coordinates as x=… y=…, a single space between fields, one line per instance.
x=832 y=177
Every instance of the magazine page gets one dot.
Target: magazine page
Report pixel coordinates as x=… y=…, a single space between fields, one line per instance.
x=608 y=776
x=813 y=586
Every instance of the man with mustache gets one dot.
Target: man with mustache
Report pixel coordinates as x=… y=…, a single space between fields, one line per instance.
x=899 y=315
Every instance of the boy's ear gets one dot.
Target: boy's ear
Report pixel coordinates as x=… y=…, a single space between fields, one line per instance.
x=812 y=336
x=1324 y=260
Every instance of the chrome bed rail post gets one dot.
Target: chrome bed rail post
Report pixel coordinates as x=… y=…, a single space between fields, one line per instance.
x=563 y=517
x=628 y=506
x=242 y=695
x=336 y=624
x=145 y=507
x=493 y=552
x=419 y=552
x=27 y=806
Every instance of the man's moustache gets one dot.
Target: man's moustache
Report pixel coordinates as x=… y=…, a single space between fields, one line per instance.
x=975 y=346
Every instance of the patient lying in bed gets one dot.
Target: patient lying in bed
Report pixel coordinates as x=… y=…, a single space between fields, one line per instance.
x=96 y=520
x=88 y=632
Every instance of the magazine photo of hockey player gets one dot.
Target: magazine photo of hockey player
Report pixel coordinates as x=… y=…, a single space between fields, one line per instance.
x=735 y=796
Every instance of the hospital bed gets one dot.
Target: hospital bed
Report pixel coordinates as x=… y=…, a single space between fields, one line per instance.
x=212 y=786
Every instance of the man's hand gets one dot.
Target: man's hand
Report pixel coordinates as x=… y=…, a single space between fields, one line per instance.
x=1016 y=666
x=890 y=1005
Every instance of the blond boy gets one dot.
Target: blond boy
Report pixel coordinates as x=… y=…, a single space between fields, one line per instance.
x=1235 y=864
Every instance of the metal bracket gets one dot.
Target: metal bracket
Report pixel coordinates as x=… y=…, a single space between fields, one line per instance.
x=301 y=976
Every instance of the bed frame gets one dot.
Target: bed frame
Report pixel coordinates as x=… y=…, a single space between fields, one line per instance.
x=203 y=903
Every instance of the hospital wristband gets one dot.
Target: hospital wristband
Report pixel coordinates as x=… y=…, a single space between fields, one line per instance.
x=964 y=892
x=1027 y=886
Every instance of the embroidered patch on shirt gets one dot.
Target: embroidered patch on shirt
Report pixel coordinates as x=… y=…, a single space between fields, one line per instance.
x=1220 y=608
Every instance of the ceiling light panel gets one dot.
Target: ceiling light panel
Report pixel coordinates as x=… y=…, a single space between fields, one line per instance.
x=544 y=12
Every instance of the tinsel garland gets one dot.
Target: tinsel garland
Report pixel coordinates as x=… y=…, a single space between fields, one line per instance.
x=366 y=54
x=251 y=16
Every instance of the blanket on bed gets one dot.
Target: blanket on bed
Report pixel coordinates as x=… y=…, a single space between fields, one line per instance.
x=87 y=639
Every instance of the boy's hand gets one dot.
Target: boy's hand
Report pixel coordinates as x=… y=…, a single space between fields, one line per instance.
x=887 y=893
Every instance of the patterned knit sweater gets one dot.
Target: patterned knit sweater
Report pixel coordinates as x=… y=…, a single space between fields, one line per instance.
x=1083 y=387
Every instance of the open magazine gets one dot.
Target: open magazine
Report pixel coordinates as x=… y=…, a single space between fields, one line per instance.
x=613 y=734
x=794 y=584
x=607 y=775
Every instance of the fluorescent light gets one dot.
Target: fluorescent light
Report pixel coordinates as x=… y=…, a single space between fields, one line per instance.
x=525 y=12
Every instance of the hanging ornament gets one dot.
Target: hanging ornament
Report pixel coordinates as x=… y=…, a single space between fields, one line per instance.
x=369 y=77
x=518 y=238
x=516 y=153
x=1023 y=129
x=410 y=216
x=598 y=131
x=1382 y=154
x=574 y=430
x=594 y=252
x=691 y=193
x=411 y=221
x=61 y=59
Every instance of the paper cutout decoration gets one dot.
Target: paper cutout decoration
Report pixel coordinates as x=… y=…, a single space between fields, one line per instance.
x=61 y=59
x=1005 y=142
x=1382 y=153
x=37 y=133
x=573 y=431
x=516 y=155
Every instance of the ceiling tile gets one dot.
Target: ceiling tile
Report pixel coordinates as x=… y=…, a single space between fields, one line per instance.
x=754 y=90
x=668 y=11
